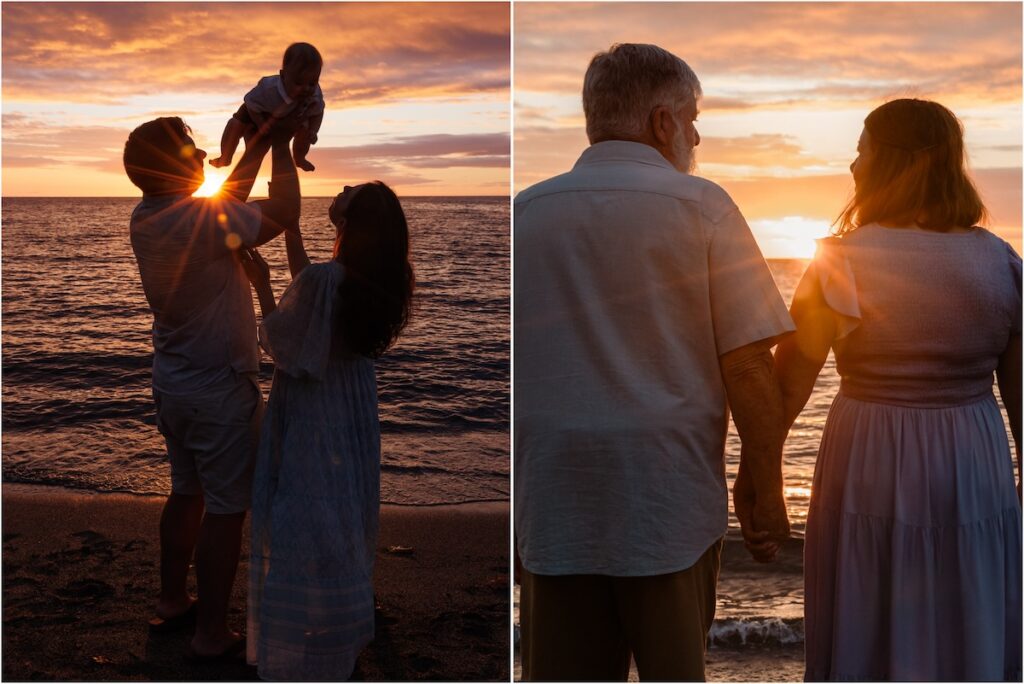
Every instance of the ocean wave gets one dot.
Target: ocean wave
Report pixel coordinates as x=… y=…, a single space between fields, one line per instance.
x=766 y=632
x=756 y=631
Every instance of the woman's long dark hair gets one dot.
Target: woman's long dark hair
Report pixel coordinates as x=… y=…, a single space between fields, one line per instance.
x=376 y=293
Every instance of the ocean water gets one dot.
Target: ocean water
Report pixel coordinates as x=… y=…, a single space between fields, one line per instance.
x=77 y=404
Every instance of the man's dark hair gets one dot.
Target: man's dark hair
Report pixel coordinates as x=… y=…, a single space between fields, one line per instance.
x=153 y=154
x=301 y=54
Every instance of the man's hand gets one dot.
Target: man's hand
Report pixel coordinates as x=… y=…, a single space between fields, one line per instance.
x=756 y=403
x=764 y=524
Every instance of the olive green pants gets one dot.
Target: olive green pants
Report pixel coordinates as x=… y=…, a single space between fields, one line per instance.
x=585 y=627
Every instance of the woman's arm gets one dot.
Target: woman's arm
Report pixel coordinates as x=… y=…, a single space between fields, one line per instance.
x=800 y=356
x=297 y=257
x=258 y=272
x=1008 y=375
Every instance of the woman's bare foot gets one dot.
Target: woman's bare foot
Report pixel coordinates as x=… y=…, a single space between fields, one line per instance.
x=304 y=165
x=220 y=161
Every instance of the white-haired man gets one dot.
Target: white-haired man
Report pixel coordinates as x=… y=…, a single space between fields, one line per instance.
x=643 y=312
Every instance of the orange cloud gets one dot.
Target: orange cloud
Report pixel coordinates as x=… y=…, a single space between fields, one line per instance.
x=757 y=150
x=371 y=51
x=857 y=51
x=77 y=77
x=786 y=86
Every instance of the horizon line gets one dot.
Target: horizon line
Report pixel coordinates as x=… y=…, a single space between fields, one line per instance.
x=3 y=197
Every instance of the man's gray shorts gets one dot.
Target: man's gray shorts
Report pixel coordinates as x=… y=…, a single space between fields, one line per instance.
x=211 y=441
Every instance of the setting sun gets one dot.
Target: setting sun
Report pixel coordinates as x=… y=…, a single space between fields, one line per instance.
x=783 y=106
x=211 y=186
x=790 y=236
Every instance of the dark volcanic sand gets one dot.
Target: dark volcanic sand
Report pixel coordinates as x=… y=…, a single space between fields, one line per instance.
x=80 y=580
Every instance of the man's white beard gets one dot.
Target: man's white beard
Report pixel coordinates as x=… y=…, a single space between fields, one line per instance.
x=686 y=158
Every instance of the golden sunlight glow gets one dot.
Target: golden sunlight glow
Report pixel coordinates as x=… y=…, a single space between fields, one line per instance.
x=211 y=186
x=798 y=492
x=791 y=236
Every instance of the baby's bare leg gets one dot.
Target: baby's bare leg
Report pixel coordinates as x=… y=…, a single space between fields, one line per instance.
x=300 y=148
x=233 y=132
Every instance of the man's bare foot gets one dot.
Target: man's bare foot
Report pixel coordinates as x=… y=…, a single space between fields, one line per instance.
x=171 y=609
x=304 y=165
x=220 y=161
x=173 y=618
x=225 y=645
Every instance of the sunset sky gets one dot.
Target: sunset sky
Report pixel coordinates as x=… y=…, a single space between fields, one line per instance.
x=417 y=95
x=786 y=89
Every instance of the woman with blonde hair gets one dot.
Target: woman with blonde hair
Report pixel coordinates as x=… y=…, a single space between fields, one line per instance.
x=912 y=554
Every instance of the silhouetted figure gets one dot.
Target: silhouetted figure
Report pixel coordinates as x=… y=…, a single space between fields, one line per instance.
x=205 y=357
x=316 y=494
x=294 y=92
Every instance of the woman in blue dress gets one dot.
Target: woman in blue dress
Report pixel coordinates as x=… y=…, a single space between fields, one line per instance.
x=912 y=556
x=316 y=491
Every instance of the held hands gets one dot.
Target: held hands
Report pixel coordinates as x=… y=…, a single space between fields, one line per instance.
x=763 y=518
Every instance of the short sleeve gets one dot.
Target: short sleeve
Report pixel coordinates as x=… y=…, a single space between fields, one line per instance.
x=1015 y=271
x=297 y=334
x=316 y=105
x=746 y=306
x=838 y=287
x=264 y=97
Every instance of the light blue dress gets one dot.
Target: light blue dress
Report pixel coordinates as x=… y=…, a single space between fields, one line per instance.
x=316 y=493
x=913 y=548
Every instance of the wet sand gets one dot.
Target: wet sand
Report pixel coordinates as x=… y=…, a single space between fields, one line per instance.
x=80 y=581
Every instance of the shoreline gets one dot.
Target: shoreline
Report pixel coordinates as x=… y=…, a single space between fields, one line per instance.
x=28 y=487
x=80 y=578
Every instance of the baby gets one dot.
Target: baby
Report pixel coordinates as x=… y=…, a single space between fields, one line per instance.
x=294 y=91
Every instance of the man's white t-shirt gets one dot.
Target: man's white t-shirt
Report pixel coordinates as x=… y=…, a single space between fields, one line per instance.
x=204 y=326
x=630 y=280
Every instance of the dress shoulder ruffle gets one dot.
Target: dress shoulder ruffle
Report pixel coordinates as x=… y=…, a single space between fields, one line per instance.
x=297 y=334
x=838 y=286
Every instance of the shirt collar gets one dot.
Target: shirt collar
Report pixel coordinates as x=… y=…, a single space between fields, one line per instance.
x=281 y=91
x=622 y=150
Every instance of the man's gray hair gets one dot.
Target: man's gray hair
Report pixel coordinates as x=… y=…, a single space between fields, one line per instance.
x=624 y=84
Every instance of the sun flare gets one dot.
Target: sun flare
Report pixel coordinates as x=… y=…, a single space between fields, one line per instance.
x=790 y=237
x=211 y=185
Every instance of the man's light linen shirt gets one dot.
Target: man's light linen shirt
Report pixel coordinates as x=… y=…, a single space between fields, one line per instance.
x=204 y=326
x=631 y=279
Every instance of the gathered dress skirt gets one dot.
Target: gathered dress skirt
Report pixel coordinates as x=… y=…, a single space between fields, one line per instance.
x=913 y=546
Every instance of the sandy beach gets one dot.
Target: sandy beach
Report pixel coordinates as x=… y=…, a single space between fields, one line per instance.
x=80 y=579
